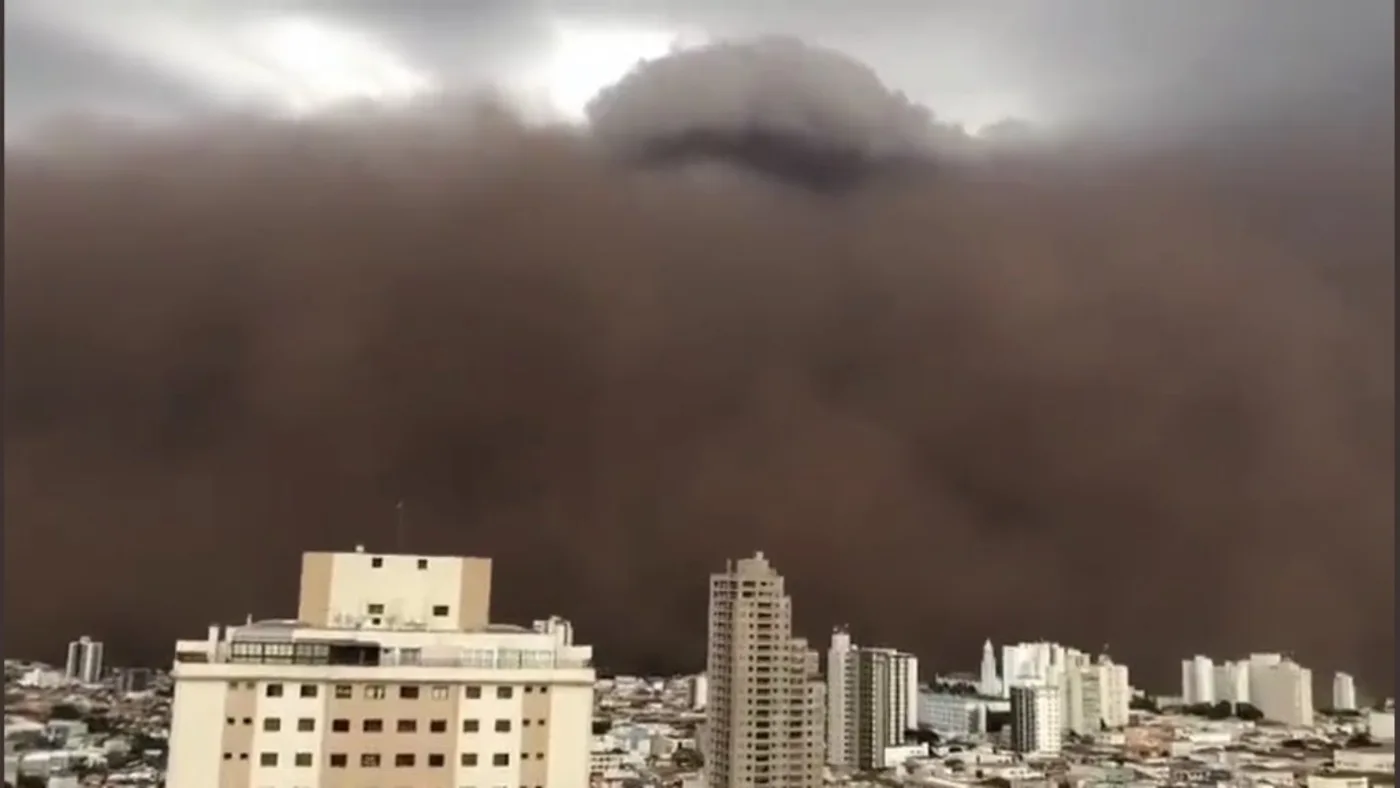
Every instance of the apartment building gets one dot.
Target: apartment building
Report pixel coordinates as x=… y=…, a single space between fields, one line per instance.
x=391 y=675
x=872 y=700
x=1036 y=726
x=84 y=662
x=766 y=710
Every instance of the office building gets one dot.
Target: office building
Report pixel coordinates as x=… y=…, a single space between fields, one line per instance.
x=872 y=701
x=956 y=711
x=1231 y=682
x=765 y=718
x=1198 y=680
x=1343 y=692
x=392 y=674
x=1281 y=689
x=1036 y=727
x=84 y=661
x=1095 y=696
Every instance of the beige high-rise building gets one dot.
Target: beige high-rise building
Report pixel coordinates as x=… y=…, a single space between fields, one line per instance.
x=766 y=715
x=391 y=675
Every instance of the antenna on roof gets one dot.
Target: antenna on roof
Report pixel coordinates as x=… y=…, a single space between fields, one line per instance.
x=398 y=526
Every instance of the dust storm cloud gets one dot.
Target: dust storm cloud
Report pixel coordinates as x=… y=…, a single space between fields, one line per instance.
x=1142 y=400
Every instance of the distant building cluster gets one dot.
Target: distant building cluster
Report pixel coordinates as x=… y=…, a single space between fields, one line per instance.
x=393 y=673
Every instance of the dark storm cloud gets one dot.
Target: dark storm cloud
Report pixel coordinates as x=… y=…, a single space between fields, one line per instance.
x=1141 y=400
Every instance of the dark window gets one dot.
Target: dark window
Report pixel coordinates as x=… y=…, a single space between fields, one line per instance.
x=437 y=726
x=405 y=759
x=338 y=760
x=503 y=726
x=504 y=693
x=376 y=562
x=473 y=691
x=422 y=563
x=308 y=690
x=375 y=609
x=306 y=725
x=500 y=759
x=340 y=726
x=274 y=691
x=372 y=726
x=267 y=759
x=370 y=760
x=468 y=759
x=272 y=724
x=303 y=759
x=344 y=691
x=544 y=689
x=437 y=759
x=408 y=692
x=407 y=726
x=228 y=756
x=440 y=610
x=471 y=726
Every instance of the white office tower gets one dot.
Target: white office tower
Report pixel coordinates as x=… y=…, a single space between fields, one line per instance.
x=766 y=712
x=1035 y=719
x=391 y=672
x=1232 y=682
x=699 y=691
x=84 y=661
x=872 y=699
x=989 y=685
x=1283 y=692
x=1198 y=680
x=1032 y=663
x=1343 y=692
x=1095 y=696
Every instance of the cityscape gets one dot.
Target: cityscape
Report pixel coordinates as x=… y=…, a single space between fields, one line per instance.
x=394 y=672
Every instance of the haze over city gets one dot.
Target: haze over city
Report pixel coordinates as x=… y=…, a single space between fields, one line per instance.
x=1121 y=375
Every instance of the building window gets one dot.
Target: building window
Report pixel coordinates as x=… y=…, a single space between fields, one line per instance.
x=539 y=756
x=375 y=692
x=309 y=690
x=468 y=759
x=272 y=724
x=408 y=692
x=539 y=722
x=407 y=726
x=405 y=759
x=273 y=691
x=306 y=725
x=267 y=759
x=440 y=611
x=473 y=692
x=344 y=692
x=437 y=759
x=370 y=760
x=524 y=723
x=372 y=726
x=422 y=563
x=376 y=562
x=437 y=726
x=543 y=689
x=340 y=725
x=471 y=726
x=374 y=609
x=500 y=759
x=338 y=760
x=230 y=720
x=503 y=726
x=505 y=693
x=228 y=756
x=303 y=759
x=441 y=693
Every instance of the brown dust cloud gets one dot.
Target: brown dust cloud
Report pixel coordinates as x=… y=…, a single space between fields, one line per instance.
x=1101 y=392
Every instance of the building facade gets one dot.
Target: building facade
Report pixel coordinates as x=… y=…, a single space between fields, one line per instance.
x=1095 y=696
x=1036 y=727
x=1281 y=689
x=1198 y=680
x=765 y=716
x=1343 y=692
x=872 y=701
x=376 y=684
x=84 y=662
x=953 y=714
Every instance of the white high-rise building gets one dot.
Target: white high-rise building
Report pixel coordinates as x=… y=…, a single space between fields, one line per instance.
x=1282 y=690
x=872 y=700
x=766 y=712
x=989 y=683
x=1036 y=727
x=84 y=660
x=698 y=691
x=1033 y=664
x=1343 y=692
x=1198 y=680
x=1095 y=696
x=1232 y=682
x=391 y=668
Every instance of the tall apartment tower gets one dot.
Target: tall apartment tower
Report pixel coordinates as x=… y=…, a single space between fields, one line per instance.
x=872 y=700
x=1343 y=692
x=766 y=712
x=84 y=660
x=1036 y=726
x=391 y=675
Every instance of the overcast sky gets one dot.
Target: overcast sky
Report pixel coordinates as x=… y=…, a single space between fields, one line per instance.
x=972 y=61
